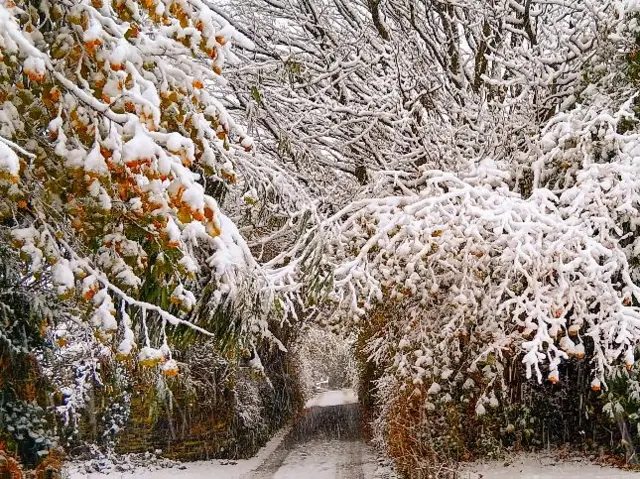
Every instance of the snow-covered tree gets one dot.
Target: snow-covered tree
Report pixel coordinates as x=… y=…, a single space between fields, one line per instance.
x=112 y=147
x=522 y=261
x=456 y=182
x=340 y=91
x=496 y=142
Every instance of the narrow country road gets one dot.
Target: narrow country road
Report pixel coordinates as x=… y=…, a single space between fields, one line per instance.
x=325 y=444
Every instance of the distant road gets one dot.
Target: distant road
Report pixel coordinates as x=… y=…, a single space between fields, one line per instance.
x=325 y=444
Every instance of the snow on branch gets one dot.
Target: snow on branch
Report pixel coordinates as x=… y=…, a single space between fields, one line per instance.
x=108 y=184
x=483 y=262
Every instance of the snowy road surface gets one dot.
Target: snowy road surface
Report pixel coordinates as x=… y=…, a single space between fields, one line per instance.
x=326 y=444
x=333 y=398
x=323 y=459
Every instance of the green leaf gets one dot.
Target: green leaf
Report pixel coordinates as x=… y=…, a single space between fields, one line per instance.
x=255 y=93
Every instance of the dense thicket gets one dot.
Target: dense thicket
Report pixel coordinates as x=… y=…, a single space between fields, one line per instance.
x=485 y=212
x=450 y=180
x=114 y=157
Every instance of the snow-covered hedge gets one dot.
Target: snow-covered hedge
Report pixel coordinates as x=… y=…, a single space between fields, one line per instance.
x=486 y=305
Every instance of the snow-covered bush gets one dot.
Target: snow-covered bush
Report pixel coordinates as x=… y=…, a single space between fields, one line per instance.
x=27 y=424
x=482 y=303
x=220 y=406
x=490 y=287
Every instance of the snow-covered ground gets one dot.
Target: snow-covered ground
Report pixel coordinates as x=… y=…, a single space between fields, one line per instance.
x=333 y=458
x=543 y=466
x=297 y=459
x=329 y=459
x=333 y=398
x=319 y=459
x=192 y=470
